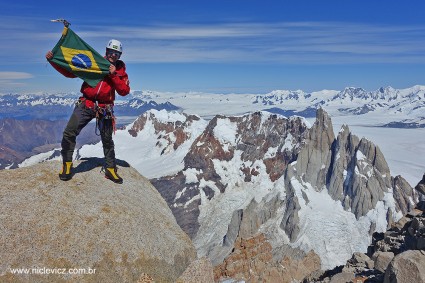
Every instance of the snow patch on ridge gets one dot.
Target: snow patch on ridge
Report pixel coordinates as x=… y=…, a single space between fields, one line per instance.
x=225 y=131
x=191 y=175
x=38 y=158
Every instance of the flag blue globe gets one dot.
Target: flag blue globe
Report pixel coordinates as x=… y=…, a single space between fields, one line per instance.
x=81 y=61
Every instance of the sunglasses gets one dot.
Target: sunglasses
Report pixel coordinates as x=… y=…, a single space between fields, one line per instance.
x=113 y=52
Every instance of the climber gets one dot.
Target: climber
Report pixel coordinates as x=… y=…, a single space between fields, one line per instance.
x=96 y=102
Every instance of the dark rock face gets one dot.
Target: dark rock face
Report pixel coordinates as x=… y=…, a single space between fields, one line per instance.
x=403 y=194
x=365 y=174
x=316 y=155
x=420 y=187
x=175 y=191
x=290 y=220
x=9 y=158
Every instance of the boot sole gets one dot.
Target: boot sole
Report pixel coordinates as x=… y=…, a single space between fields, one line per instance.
x=65 y=178
x=115 y=181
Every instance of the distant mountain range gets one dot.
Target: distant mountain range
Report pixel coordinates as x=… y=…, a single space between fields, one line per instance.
x=387 y=107
x=406 y=106
x=59 y=106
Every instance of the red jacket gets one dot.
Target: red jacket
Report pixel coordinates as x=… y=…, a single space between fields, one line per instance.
x=104 y=91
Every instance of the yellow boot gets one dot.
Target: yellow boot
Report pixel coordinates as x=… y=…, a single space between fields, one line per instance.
x=65 y=174
x=111 y=174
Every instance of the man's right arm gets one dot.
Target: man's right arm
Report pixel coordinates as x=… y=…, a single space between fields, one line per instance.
x=64 y=72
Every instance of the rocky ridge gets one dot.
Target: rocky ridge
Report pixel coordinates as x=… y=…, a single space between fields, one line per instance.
x=120 y=231
x=252 y=261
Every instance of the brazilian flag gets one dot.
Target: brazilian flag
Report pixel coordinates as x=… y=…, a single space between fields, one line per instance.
x=75 y=55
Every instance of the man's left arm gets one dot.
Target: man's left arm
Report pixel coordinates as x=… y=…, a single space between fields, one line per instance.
x=120 y=80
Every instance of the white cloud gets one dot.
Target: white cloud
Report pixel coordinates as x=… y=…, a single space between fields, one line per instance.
x=303 y=42
x=5 y=76
x=279 y=42
x=12 y=80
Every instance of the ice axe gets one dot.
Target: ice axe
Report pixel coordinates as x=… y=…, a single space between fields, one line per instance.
x=65 y=22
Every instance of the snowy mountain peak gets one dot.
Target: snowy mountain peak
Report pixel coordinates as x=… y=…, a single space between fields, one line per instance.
x=351 y=93
x=280 y=96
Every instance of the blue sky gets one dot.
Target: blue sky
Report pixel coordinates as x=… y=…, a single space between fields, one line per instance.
x=223 y=46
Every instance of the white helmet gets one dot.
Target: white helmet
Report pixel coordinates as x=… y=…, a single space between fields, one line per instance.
x=114 y=45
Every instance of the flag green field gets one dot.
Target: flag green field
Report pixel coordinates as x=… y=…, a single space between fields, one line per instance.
x=75 y=55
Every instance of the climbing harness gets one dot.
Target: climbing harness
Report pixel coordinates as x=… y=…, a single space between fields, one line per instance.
x=102 y=114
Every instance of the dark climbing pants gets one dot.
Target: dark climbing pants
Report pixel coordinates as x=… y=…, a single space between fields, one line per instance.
x=81 y=116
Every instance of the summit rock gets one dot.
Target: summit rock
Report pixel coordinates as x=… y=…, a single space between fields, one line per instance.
x=120 y=231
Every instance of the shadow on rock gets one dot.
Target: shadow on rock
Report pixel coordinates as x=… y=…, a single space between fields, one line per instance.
x=90 y=163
